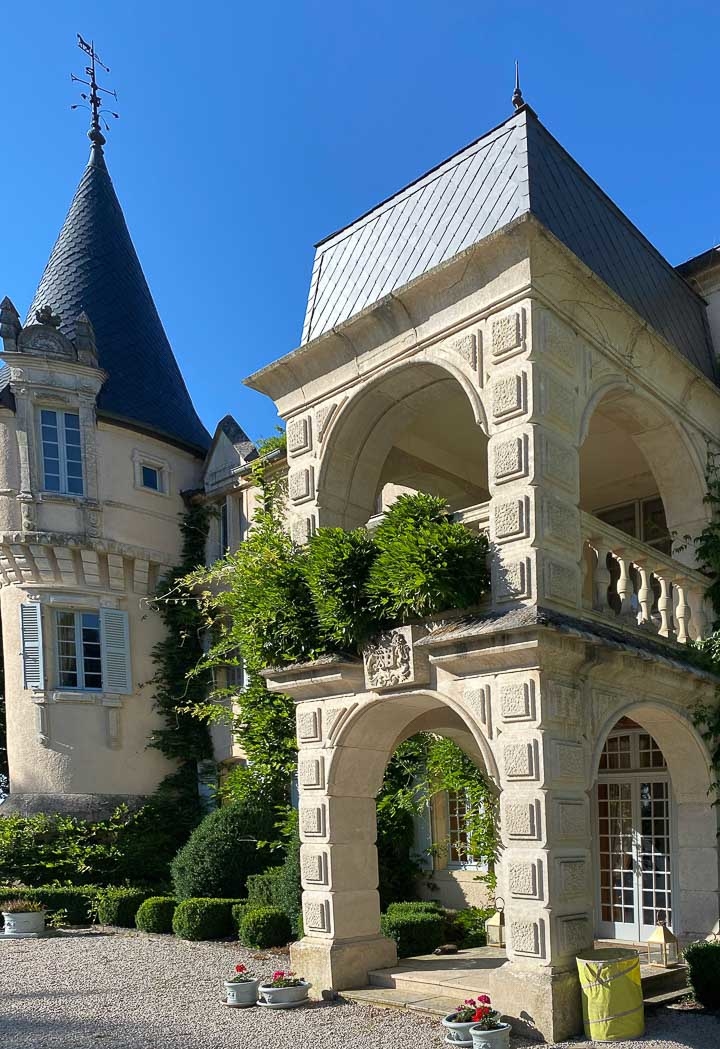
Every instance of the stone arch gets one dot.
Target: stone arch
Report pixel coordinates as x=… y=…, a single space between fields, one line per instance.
x=372 y=733
x=400 y=413
x=695 y=855
x=631 y=448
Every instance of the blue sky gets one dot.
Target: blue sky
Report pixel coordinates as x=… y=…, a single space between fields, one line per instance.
x=249 y=131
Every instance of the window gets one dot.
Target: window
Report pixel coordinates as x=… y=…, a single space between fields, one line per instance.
x=643 y=520
x=458 y=844
x=62 y=452
x=151 y=478
x=78 y=650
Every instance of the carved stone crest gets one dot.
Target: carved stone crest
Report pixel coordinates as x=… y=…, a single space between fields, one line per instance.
x=389 y=661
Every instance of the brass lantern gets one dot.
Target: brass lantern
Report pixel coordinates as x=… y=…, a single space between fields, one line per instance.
x=495 y=925
x=662 y=946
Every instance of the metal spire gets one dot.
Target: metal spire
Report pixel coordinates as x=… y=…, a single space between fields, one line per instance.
x=94 y=99
x=517 y=100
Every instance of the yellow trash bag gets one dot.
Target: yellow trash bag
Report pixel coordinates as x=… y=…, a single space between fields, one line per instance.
x=611 y=994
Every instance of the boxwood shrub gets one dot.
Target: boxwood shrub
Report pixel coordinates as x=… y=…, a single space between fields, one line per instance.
x=204 y=918
x=280 y=887
x=119 y=906
x=264 y=927
x=414 y=932
x=703 y=962
x=76 y=901
x=156 y=914
x=466 y=928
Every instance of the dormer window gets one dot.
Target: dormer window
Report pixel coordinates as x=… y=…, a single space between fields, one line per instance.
x=61 y=452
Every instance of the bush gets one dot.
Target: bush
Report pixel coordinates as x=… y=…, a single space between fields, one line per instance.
x=119 y=906
x=216 y=861
x=415 y=907
x=703 y=962
x=238 y=912
x=280 y=887
x=336 y=566
x=414 y=932
x=204 y=919
x=397 y=870
x=466 y=928
x=264 y=927
x=425 y=562
x=76 y=902
x=156 y=914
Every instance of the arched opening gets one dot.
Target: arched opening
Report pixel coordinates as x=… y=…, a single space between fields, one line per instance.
x=419 y=427
x=655 y=829
x=366 y=745
x=639 y=474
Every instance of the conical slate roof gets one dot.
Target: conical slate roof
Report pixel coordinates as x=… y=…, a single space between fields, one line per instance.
x=516 y=169
x=94 y=267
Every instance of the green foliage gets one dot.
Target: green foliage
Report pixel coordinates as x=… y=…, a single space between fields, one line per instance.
x=222 y=851
x=703 y=962
x=264 y=927
x=204 y=919
x=77 y=902
x=398 y=870
x=425 y=563
x=115 y=906
x=336 y=566
x=466 y=928
x=415 y=907
x=22 y=906
x=281 y=886
x=124 y=848
x=178 y=684
x=238 y=912
x=707 y=544
x=415 y=932
x=156 y=914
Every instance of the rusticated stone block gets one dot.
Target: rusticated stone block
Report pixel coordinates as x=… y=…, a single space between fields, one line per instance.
x=299 y=436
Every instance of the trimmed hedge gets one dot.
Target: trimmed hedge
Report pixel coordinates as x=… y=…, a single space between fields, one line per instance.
x=238 y=913
x=264 y=927
x=415 y=907
x=414 y=932
x=119 y=906
x=76 y=901
x=156 y=914
x=204 y=918
x=280 y=887
x=222 y=851
x=703 y=962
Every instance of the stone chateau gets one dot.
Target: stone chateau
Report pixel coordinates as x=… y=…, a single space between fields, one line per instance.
x=498 y=333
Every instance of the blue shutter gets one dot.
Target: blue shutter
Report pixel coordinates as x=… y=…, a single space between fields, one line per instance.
x=115 y=640
x=32 y=645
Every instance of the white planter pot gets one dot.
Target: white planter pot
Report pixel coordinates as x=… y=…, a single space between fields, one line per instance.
x=497 y=1039
x=25 y=923
x=241 y=993
x=457 y=1034
x=283 y=995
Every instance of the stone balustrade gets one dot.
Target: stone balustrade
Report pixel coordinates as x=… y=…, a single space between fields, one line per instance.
x=633 y=583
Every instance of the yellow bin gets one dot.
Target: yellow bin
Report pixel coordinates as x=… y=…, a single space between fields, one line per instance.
x=611 y=994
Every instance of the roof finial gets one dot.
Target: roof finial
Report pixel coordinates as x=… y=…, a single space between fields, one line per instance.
x=517 y=100
x=94 y=99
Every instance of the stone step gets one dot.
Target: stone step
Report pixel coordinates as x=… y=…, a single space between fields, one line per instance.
x=663 y=981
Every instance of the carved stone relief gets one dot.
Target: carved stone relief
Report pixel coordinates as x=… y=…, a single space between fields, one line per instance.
x=509 y=396
x=390 y=660
x=517 y=700
x=511 y=519
x=512 y=580
x=508 y=334
x=299 y=436
x=301 y=485
x=511 y=459
x=313 y=820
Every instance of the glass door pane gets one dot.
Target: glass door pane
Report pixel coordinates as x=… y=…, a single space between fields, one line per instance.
x=617 y=860
x=654 y=858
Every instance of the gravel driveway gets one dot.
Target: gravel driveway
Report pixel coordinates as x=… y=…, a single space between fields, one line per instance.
x=132 y=991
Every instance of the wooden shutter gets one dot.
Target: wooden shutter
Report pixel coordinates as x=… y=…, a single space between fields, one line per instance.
x=32 y=645
x=115 y=640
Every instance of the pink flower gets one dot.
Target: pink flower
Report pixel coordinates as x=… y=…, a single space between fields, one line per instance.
x=469 y=1001
x=484 y=998
x=278 y=974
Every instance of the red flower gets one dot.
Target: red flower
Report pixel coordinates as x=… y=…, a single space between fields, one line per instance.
x=240 y=969
x=482 y=1013
x=278 y=974
x=484 y=998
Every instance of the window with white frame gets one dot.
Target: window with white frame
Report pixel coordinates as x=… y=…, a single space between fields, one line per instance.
x=79 y=661
x=458 y=837
x=151 y=478
x=90 y=648
x=61 y=452
x=151 y=474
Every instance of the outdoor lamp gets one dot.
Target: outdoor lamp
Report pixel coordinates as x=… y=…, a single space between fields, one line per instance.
x=662 y=946
x=495 y=925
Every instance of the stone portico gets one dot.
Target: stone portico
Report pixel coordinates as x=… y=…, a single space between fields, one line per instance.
x=525 y=388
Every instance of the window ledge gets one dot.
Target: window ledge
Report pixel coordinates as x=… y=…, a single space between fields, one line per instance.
x=59 y=695
x=67 y=498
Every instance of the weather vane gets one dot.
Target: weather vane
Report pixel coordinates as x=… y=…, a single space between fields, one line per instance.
x=94 y=99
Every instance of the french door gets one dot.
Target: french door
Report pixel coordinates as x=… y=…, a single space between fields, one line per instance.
x=634 y=853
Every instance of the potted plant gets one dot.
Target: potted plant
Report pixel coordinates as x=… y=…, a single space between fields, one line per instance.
x=489 y=1030
x=23 y=918
x=241 y=990
x=283 y=990
x=457 y=1024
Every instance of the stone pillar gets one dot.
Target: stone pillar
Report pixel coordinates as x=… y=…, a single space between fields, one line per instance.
x=338 y=858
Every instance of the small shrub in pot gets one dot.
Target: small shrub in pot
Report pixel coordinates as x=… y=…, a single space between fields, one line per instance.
x=23 y=917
